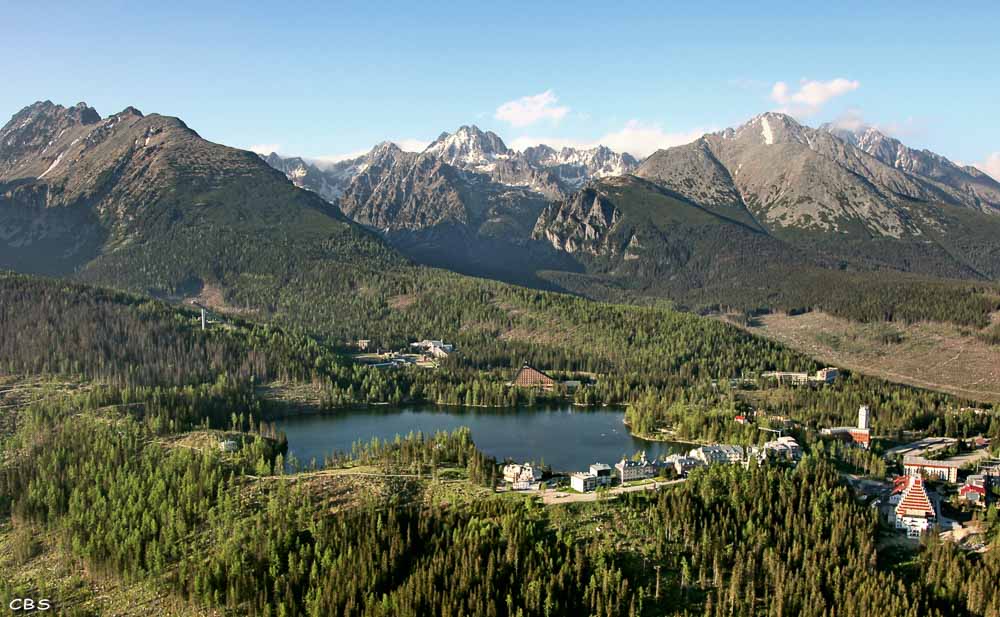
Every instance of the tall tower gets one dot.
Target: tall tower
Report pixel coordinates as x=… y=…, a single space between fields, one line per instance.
x=863 y=414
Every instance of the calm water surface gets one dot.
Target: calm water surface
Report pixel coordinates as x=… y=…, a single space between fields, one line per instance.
x=567 y=438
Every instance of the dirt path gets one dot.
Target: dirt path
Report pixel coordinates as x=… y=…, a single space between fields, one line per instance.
x=557 y=497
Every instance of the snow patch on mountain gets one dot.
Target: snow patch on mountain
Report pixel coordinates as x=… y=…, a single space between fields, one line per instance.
x=765 y=131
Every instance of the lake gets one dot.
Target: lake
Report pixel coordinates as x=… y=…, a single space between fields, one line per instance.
x=566 y=438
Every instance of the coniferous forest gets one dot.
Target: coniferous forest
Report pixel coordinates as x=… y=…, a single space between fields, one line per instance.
x=110 y=472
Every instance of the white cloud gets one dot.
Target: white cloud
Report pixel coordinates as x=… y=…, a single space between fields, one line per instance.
x=330 y=159
x=265 y=148
x=991 y=165
x=854 y=120
x=637 y=138
x=851 y=120
x=412 y=145
x=528 y=110
x=811 y=95
x=641 y=140
x=407 y=145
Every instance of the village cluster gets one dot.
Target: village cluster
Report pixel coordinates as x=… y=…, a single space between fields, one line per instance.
x=909 y=504
x=529 y=477
x=912 y=505
x=426 y=353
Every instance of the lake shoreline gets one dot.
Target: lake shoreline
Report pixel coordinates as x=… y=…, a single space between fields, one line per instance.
x=563 y=437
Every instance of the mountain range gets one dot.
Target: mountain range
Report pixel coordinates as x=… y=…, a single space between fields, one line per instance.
x=822 y=198
x=768 y=214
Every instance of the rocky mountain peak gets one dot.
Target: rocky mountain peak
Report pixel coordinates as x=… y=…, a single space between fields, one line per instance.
x=130 y=111
x=384 y=148
x=469 y=146
x=769 y=128
x=38 y=131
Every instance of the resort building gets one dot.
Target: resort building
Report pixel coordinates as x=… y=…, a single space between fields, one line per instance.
x=629 y=470
x=827 y=375
x=718 y=453
x=599 y=475
x=859 y=435
x=945 y=470
x=899 y=484
x=976 y=489
x=521 y=477
x=681 y=464
x=530 y=377
x=822 y=376
x=602 y=472
x=583 y=482
x=784 y=447
x=915 y=513
x=436 y=349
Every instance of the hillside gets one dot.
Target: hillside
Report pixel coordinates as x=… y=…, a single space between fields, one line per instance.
x=931 y=355
x=142 y=202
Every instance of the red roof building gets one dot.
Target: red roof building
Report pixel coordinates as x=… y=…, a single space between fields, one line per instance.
x=529 y=377
x=975 y=489
x=915 y=512
x=970 y=493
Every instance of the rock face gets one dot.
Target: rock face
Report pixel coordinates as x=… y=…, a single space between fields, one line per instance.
x=467 y=198
x=469 y=148
x=329 y=181
x=553 y=174
x=790 y=176
x=581 y=224
x=575 y=167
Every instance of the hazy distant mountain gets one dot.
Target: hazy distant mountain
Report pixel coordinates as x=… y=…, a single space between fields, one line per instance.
x=542 y=169
x=329 y=181
x=966 y=185
x=467 y=202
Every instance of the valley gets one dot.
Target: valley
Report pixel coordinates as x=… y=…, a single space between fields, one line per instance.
x=261 y=462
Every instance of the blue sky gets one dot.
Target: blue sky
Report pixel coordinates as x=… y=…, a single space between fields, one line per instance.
x=320 y=80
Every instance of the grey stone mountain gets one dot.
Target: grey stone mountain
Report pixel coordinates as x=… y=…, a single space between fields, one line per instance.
x=135 y=197
x=964 y=184
x=840 y=198
x=470 y=148
x=805 y=198
x=329 y=182
x=467 y=201
x=552 y=173
x=459 y=217
x=790 y=176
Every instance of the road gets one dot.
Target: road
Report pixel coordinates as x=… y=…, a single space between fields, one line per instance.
x=556 y=497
